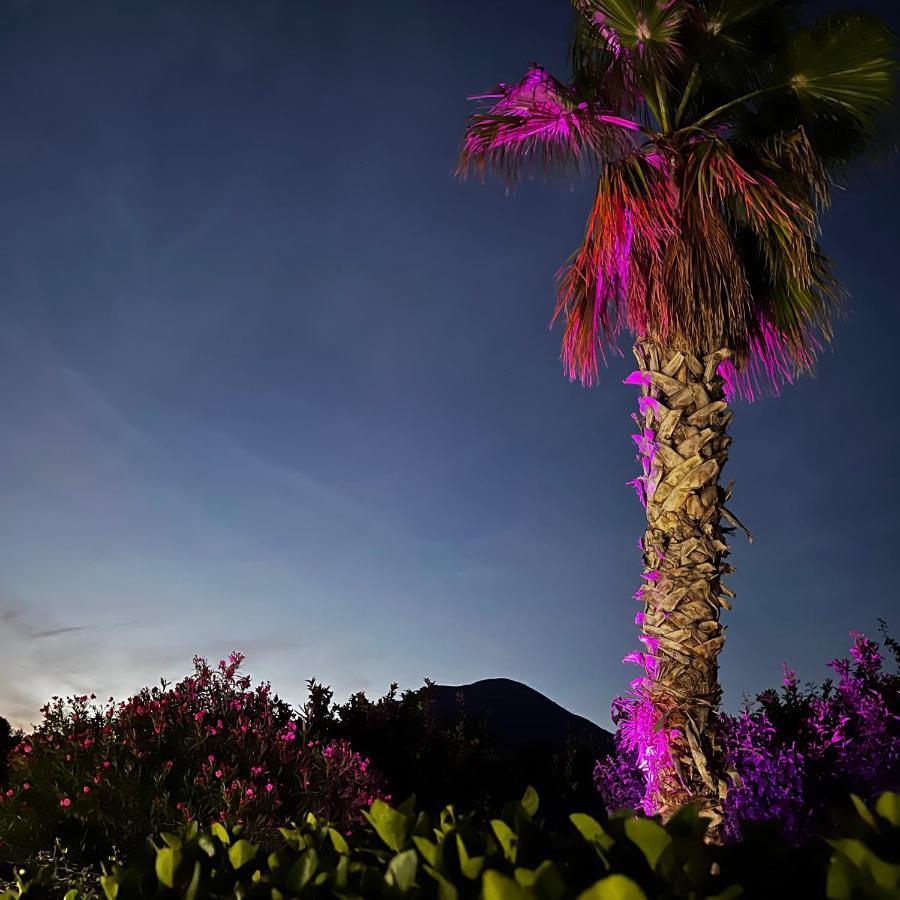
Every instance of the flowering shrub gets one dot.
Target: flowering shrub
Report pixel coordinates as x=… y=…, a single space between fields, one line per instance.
x=794 y=752
x=97 y=776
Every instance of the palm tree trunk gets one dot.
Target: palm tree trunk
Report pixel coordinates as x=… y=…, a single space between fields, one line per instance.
x=683 y=444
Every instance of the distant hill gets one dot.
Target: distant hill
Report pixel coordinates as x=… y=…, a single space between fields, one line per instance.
x=519 y=716
x=478 y=745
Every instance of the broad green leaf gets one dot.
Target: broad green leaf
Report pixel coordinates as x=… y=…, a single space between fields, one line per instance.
x=110 y=885
x=591 y=830
x=546 y=881
x=855 y=850
x=206 y=844
x=167 y=861
x=390 y=825
x=171 y=840
x=338 y=842
x=885 y=874
x=241 y=853
x=446 y=890
x=71 y=895
x=495 y=886
x=613 y=887
x=888 y=807
x=341 y=874
x=194 y=886
x=447 y=818
x=302 y=870
x=649 y=836
x=293 y=838
x=221 y=832
x=470 y=866
x=428 y=849
x=401 y=870
x=862 y=810
x=530 y=801
x=841 y=878
x=506 y=837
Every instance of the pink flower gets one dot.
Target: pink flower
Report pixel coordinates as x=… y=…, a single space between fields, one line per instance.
x=26 y=786
x=26 y=748
x=249 y=792
x=218 y=773
x=65 y=802
x=270 y=787
x=85 y=790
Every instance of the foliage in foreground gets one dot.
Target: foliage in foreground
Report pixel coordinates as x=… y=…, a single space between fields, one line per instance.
x=406 y=854
x=794 y=753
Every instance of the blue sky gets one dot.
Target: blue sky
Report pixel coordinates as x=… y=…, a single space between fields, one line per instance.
x=273 y=380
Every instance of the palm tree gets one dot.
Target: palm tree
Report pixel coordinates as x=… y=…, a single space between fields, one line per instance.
x=714 y=128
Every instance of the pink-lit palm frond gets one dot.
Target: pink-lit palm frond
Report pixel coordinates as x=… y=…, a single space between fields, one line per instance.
x=665 y=253
x=631 y=223
x=543 y=123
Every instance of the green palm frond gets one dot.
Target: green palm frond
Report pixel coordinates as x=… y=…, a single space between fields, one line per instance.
x=727 y=16
x=843 y=61
x=648 y=31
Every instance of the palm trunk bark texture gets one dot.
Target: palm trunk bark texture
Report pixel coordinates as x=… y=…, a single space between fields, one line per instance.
x=683 y=445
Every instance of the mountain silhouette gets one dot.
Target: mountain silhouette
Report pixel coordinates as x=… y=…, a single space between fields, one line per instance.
x=518 y=716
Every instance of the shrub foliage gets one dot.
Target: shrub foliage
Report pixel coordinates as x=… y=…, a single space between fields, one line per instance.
x=95 y=777
x=401 y=853
x=794 y=752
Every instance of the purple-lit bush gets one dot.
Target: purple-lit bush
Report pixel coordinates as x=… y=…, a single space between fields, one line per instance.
x=98 y=776
x=794 y=752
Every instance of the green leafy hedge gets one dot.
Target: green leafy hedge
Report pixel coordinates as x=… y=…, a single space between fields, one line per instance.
x=404 y=854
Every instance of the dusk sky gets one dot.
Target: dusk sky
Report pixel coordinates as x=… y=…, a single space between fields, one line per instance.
x=272 y=379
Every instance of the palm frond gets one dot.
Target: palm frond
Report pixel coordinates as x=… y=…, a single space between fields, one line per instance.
x=542 y=123
x=599 y=67
x=844 y=62
x=631 y=223
x=641 y=34
x=791 y=292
